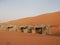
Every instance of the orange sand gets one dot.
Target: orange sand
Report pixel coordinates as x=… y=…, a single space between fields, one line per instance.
x=16 y=38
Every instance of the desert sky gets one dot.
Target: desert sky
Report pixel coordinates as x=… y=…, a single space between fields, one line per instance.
x=15 y=9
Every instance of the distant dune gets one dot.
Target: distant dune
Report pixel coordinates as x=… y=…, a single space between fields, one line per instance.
x=50 y=18
x=16 y=38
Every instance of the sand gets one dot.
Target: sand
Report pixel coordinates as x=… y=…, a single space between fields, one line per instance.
x=16 y=38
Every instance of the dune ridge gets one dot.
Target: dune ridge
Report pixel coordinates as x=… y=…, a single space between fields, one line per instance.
x=49 y=18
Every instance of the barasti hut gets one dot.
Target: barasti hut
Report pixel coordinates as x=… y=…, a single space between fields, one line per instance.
x=39 y=29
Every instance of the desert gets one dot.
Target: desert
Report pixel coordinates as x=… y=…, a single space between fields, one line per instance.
x=19 y=38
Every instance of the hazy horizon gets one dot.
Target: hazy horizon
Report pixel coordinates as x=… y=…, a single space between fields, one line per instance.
x=15 y=9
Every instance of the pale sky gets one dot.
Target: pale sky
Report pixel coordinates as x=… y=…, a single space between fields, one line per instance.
x=16 y=9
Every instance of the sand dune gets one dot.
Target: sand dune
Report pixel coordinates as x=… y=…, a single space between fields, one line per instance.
x=17 y=38
x=50 y=18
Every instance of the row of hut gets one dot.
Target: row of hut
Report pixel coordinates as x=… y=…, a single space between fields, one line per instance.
x=40 y=29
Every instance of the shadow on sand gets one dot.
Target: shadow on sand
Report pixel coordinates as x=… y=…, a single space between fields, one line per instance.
x=55 y=34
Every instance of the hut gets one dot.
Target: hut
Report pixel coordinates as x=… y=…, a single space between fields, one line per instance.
x=23 y=28
x=11 y=27
x=2 y=27
x=30 y=28
x=42 y=29
x=46 y=29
